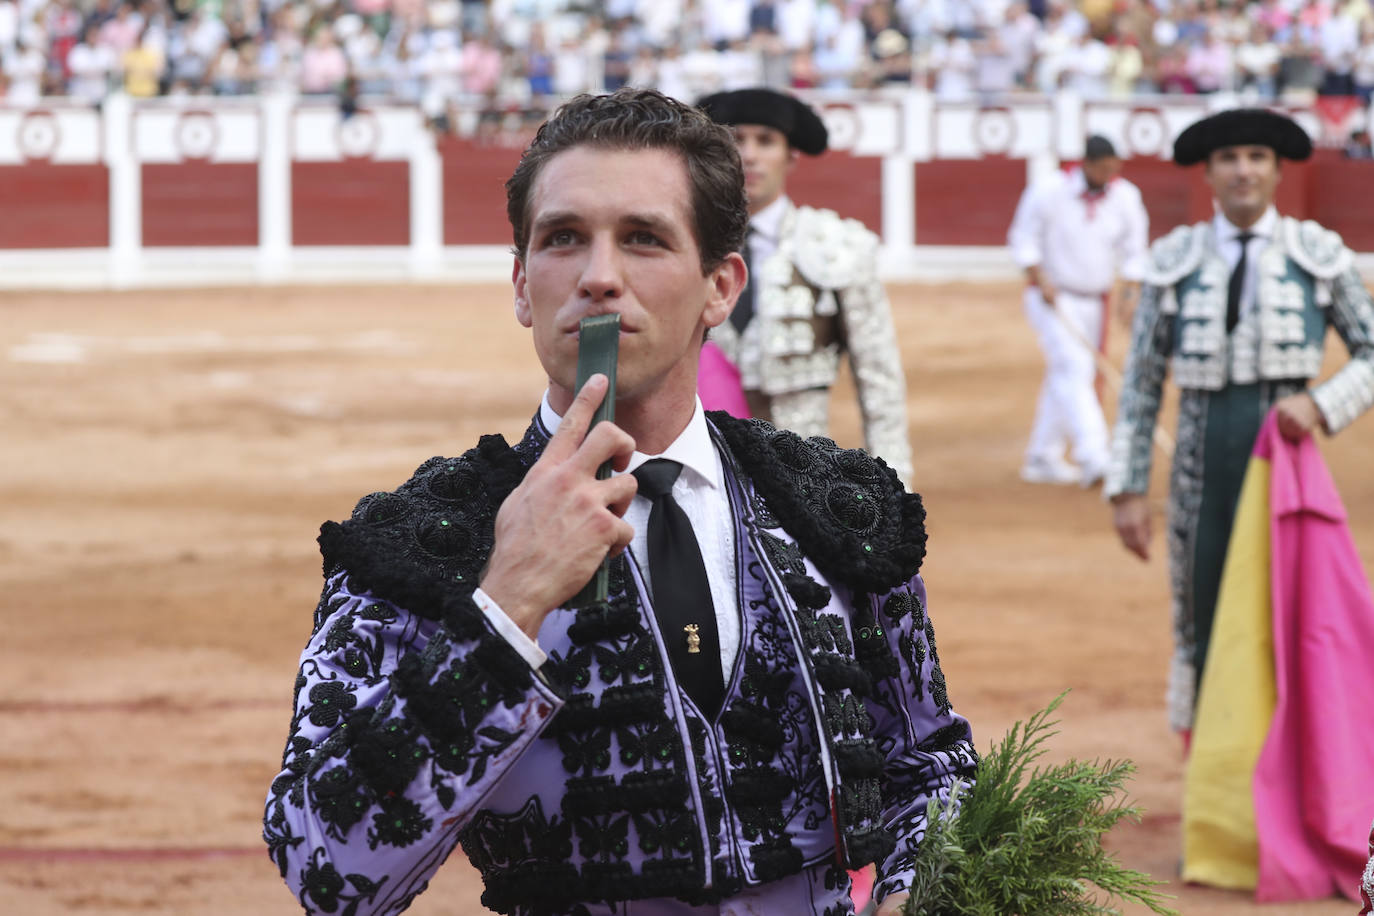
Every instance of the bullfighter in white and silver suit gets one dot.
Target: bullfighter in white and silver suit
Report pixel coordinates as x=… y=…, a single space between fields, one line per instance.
x=1238 y=307
x=814 y=292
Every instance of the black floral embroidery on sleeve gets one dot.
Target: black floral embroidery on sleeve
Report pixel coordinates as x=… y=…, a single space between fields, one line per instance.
x=399 y=823
x=325 y=888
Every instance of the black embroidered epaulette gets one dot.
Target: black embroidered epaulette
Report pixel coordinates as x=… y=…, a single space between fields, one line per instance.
x=423 y=545
x=846 y=509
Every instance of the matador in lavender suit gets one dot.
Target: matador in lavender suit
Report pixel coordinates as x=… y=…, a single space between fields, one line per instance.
x=813 y=295
x=758 y=705
x=1238 y=309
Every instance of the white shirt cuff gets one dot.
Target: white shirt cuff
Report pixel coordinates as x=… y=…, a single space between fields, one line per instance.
x=529 y=649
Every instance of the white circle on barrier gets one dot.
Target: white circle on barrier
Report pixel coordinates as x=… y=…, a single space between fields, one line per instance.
x=994 y=130
x=841 y=127
x=1145 y=132
x=38 y=135
x=197 y=135
x=359 y=136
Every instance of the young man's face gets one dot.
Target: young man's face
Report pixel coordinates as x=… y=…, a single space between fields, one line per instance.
x=1243 y=179
x=611 y=232
x=767 y=159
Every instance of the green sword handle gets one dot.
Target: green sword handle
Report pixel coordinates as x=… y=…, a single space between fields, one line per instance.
x=598 y=350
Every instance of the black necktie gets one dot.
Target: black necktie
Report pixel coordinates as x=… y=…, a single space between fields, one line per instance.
x=681 y=591
x=744 y=307
x=1237 y=282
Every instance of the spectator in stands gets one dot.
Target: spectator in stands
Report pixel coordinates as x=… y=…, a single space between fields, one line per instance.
x=893 y=51
x=539 y=64
x=441 y=72
x=1209 y=63
x=740 y=65
x=1087 y=65
x=1257 y=62
x=62 y=22
x=671 y=77
x=1171 y=72
x=836 y=61
x=323 y=65
x=725 y=21
x=997 y=73
x=23 y=67
x=1017 y=35
x=1300 y=72
x=235 y=46
x=1362 y=73
x=954 y=65
x=9 y=25
x=121 y=33
x=796 y=24
x=480 y=68
x=1358 y=146
x=1128 y=63
x=91 y=65
x=143 y=66
x=1338 y=41
x=615 y=63
x=660 y=22
x=234 y=69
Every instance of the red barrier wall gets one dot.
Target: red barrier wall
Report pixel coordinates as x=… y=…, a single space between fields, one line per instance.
x=850 y=185
x=1338 y=197
x=55 y=206
x=967 y=201
x=200 y=203
x=475 y=176
x=354 y=202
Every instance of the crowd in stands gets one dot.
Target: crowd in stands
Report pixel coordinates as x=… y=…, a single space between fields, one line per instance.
x=523 y=53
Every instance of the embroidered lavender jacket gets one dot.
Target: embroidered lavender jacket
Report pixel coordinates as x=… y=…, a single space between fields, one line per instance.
x=416 y=727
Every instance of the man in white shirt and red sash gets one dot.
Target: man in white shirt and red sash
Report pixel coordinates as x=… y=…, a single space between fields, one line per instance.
x=1076 y=234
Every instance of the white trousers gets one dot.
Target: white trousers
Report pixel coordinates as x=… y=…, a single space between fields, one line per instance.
x=1068 y=414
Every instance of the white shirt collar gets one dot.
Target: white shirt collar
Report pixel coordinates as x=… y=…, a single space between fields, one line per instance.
x=693 y=448
x=1264 y=228
x=768 y=221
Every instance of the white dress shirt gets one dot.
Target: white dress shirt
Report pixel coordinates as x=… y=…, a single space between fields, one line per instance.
x=1228 y=246
x=1081 y=240
x=764 y=229
x=700 y=491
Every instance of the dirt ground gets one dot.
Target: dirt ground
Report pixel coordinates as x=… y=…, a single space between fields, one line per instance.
x=167 y=457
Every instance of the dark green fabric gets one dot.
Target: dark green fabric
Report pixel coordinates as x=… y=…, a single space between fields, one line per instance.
x=1234 y=415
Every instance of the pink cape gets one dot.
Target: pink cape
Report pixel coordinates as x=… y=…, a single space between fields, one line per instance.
x=718 y=383
x=1314 y=782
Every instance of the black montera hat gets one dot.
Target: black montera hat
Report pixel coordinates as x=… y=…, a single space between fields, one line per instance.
x=797 y=120
x=1239 y=126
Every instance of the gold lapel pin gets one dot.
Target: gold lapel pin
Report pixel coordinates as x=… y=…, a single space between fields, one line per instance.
x=693 y=640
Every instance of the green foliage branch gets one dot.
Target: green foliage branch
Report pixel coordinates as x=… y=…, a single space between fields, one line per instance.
x=1029 y=845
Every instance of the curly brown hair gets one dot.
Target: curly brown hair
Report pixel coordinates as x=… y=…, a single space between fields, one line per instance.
x=636 y=119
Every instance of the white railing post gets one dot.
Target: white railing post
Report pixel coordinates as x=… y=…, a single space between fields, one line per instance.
x=126 y=191
x=274 y=186
x=426 y=201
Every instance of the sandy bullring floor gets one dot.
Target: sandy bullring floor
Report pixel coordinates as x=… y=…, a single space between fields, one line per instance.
x=166 y=459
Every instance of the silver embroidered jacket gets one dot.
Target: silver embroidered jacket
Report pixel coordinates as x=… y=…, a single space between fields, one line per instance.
x=818 y=296
x=1307 y=282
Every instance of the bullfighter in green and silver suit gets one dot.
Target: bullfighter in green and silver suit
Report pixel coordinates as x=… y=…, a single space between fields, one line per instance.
x=1238 y=308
